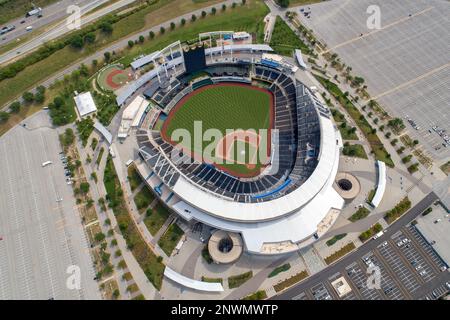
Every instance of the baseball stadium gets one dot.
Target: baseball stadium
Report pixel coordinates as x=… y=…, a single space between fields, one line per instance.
x=231 y=138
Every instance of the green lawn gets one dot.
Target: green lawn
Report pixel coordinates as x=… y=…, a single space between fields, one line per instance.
x=143 y=198
x=354 y=150
x=284 y=40
x=223 y=107
x=170 y=238
x=133 y=177
x=156 y=219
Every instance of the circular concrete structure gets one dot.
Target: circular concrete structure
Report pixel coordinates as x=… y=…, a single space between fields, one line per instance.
x=225 y=247
x=347 y=185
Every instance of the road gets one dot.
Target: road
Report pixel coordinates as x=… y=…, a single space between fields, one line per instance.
x=61 y=28
x=51 y=14
x=364 y=249
x=118 y=45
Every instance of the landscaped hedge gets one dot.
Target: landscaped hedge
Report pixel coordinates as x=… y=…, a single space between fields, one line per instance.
x=277 y=270
x=398 y=210
x=370 y=232
x=290 y=281
x=340 y=253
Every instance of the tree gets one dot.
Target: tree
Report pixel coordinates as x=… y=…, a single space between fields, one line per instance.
x=4 y=116
x=233 y=5
x=28 y=97
x=172 y=25
x=183 y=21
x=84 y=187
x=99 y=237
x=141 y=39
x=77 y=42
x=243 y=2
x=89 y=38
x=15 y=107
x=213 y=11
x=40 y=89
x=162 y=30
x=193 y=18
x=39 y=97
x=151 y=35
x=94 y=63
x=107 y=56
x=130 y=43
x=283 y=3
x=203 y=14
x=108 y=222
x=106 y=27
x=224 y=7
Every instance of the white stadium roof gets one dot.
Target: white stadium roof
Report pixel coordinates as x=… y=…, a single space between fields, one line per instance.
x=144 y=60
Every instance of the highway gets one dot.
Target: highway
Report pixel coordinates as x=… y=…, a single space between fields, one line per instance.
x=52 y=13
x=360 y=252
x=60 y=28
x=117 y=46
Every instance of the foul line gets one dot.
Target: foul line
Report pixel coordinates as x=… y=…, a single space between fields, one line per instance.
x=377 y=30
x=405 y=84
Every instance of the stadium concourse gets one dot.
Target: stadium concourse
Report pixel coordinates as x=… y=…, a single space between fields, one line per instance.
x=291 y=203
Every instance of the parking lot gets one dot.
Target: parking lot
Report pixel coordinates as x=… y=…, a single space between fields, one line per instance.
x=408 y=267
x=405 y=63
x=40 y=229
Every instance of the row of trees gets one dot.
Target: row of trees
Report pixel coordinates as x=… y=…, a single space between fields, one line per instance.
x=28 y=99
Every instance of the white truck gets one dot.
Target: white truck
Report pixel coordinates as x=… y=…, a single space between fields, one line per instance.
x=46 y=163
x=379 y=234
x=35 y=11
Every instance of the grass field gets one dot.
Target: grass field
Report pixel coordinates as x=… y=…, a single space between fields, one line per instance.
x=284 y=40
x=222 y=107
x=170 y=238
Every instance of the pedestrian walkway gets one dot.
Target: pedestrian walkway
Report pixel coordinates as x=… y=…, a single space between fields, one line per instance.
x=314 y=263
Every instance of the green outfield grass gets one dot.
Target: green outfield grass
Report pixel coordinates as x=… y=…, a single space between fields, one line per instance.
x=223 y=107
